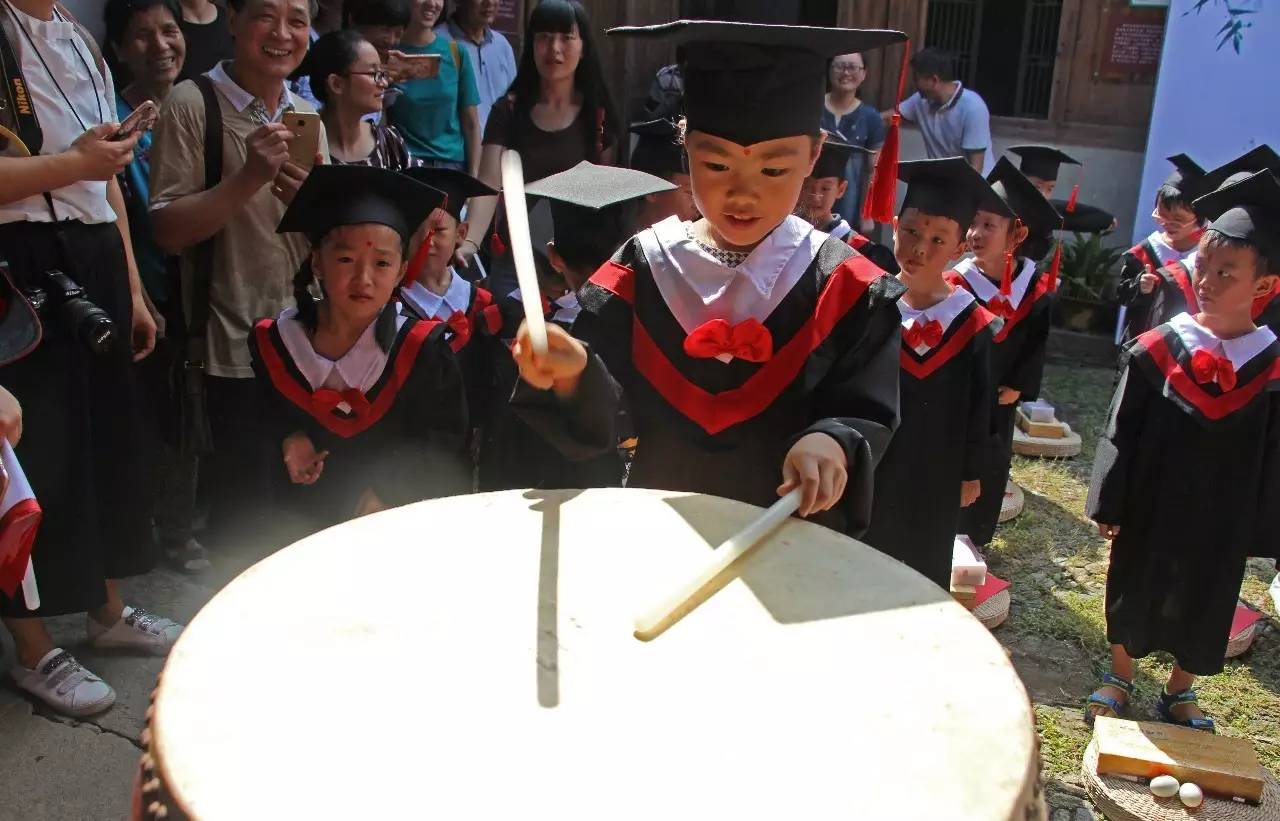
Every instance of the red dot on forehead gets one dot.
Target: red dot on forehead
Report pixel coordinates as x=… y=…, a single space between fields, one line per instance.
x=368 y=245
x=747 y=151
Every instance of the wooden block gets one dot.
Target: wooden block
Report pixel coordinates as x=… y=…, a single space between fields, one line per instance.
x=966 y=594
x=1226 y=767
x=1042 y=430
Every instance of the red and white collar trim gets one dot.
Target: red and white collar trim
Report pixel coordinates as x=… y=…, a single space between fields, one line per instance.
x=1240 y=350
x=359 y=368
x=944 y=312
x=429 y=305
x=986 y=290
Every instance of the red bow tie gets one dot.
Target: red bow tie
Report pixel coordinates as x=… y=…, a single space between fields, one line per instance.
x=1001 y=306
x=326 y=400
x=747 y=340
x=1206 y=368
x=929 y=334
x=461 y=327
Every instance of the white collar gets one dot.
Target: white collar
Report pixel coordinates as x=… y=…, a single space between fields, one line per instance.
x=241 y=99
x=567 y=309
x=1240 y=350
x=697 y=288
x=841 y=229
x=430 y=305
x=709 y=278
x=987 y=290
x=358 y=368
x=1167 y=253
x=945 y=312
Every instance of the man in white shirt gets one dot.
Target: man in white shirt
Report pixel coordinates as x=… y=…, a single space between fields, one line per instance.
x=953 y=120
x=492 y=57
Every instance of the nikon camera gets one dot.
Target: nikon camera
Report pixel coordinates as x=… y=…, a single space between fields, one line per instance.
x=59 y=301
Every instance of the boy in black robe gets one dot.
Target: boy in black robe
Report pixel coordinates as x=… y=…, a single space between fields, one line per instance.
x=933 y=466
x=584 y=214
x=756 y=354
x=1040 y=164
x=365 y=406
x=824 y=187
x=1187 y=474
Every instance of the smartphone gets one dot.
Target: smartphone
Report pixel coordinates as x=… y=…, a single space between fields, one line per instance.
x=141 y=120
x=403 y=66
x=305 y=126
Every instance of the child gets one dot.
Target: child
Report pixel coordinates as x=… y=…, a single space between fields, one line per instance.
x=747 y=344
x=1002 y=275
x=366 y=406
x=1174 y=293
x=658 y=152
x=932 y=467
x=584 y=215
x=1040 y=164
x=824 y=187
x=1187 y=472
x=1175 y=240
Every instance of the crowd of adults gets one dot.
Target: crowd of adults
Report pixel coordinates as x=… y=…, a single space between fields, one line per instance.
x=173 y=234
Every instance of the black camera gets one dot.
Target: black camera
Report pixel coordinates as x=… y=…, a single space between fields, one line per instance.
x=57 y=293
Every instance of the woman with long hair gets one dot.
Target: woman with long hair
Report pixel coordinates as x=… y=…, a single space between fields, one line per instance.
x=557 y=113
x=348 y=79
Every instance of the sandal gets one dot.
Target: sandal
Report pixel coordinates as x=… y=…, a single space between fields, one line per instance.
x=1116 y=707
x=1166 y=703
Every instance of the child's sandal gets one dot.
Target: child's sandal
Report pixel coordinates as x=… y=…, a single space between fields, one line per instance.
x=1115 y=706
x=1166 y=703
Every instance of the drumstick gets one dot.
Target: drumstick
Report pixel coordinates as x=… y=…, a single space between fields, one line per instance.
x=522 y=248
x=698 y=588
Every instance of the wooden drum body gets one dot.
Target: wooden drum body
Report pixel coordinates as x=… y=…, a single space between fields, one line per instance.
x=473 y=657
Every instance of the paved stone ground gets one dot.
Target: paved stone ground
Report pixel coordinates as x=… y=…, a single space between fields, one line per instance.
x=60 y=769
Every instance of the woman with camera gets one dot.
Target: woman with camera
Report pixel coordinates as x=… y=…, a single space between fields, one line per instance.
x=65 y=239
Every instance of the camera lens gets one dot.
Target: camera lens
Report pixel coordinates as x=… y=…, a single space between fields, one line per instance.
x=90 y=324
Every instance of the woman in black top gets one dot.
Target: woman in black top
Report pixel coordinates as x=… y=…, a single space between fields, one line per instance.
x=557 y=113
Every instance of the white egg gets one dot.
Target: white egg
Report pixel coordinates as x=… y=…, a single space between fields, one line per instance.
x=1164 y=786
x=1190 y=795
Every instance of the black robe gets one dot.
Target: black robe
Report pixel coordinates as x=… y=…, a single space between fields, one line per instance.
x=1191 y=474
x=1173 y=295
x=1146 y=311
x=408 y=444
x=942 y=441
x=724 y=429
x=1017 y=361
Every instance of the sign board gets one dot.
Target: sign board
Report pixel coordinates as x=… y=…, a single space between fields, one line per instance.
x=1131 y=42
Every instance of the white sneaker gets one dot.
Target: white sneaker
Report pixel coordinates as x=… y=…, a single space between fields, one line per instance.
x=136 y=630
x=64 y=685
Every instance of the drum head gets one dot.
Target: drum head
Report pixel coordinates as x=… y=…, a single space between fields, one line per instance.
x=473 y=657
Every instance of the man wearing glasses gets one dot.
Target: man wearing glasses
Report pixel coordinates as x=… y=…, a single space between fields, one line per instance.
x=856 y=124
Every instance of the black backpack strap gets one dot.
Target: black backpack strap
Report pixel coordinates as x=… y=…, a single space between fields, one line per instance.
x=202 y=270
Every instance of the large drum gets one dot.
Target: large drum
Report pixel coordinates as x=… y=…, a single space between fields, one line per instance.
x=473 y=658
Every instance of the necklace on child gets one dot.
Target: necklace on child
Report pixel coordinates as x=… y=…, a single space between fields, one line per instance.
x=729 y=259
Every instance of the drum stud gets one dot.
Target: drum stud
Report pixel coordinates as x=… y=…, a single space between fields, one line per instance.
x=151 y=786
x=145 y=737
x=158 y=810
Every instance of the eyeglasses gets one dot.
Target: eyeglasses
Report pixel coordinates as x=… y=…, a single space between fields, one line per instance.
x=1166 y=224
x=848 y=68
x=379 y=76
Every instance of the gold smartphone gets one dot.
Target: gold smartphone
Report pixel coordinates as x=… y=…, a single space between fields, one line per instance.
x=305 y=126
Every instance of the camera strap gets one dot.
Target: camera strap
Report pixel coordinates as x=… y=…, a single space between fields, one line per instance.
x=17 y=114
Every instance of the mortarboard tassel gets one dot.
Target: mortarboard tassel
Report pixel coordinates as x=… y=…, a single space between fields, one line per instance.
x=419 y=260
x=882 y=193
x=1071 y=202
x=1057 y=264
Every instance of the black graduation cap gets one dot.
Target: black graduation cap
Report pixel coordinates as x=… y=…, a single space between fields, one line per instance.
x=337 y=195
x=1023 y=199
x=1247 y=210
x=587 y=197
x=948 y=187
x=752 y=82
x=457 y=186
x=833 y=161
x=658 y=151
x=1041 y=160
x=1187 y=176
x=1255 y=159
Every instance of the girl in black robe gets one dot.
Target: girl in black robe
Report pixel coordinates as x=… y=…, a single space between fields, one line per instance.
x=366 y=406
x=1023 y=300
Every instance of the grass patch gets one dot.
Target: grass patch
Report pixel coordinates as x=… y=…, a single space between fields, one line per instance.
x=1057 y=564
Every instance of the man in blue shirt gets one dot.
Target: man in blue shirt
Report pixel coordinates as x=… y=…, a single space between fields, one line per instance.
x=953 y=120
x=492 y=58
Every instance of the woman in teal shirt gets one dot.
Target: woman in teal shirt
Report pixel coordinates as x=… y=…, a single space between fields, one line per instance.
x=438 y=117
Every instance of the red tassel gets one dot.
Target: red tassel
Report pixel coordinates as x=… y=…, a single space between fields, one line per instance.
x=882 y=193
x=419 y=260
x=1054 y=268
x=496 y=245
x=1006 y=279
x=1071 y=203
